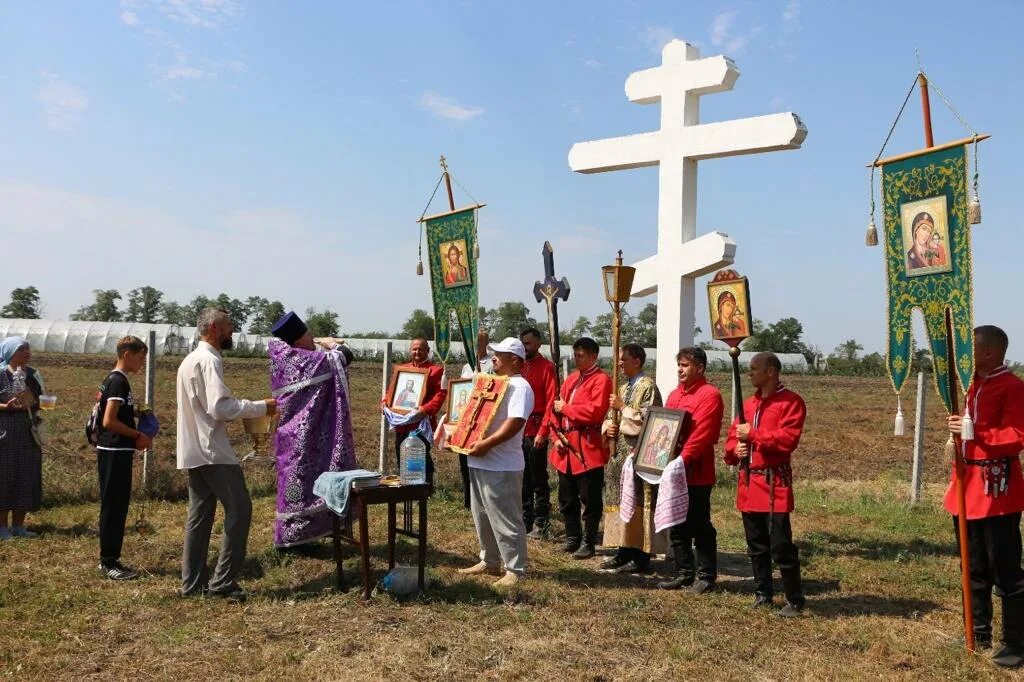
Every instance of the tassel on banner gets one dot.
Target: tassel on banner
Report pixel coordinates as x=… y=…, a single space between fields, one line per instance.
x=419 y=269
x=871 y=238
x=476 y=249
x=949 y=449
x=901 y=423
x=974 y=209
x=967 y=427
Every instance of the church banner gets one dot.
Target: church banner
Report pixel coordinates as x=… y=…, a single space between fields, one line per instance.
x=453 y=280
x=928 y=261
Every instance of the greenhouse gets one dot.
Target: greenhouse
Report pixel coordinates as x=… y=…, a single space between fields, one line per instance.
x=63 y=336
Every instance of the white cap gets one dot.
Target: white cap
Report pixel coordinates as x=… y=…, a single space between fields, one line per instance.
x=509 y=344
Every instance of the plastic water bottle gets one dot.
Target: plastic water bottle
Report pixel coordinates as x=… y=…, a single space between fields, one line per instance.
x=20 y=383
x=414 y=461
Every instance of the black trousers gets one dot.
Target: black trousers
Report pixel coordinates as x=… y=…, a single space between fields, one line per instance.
x=580 y=496
x=399 y=437
x=464 y=471
x=536 y=487
x=994 y=554
x=696 y=531
x=763 y=547
x=115 y=477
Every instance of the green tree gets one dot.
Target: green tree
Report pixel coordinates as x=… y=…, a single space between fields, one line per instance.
x=143 y=305
x=509 y=319
x=103 y=308
x=579 y=329
x=236 y=310
x=780 y=337
x=174 y=313
x=847 y=350
x=24 y=304
x=190 y=312
x=263 y=314
x=419 y=324
x=921 y=361
x=322 y=323
x=645 y=326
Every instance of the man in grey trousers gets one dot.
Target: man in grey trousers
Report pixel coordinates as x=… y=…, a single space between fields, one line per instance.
x=205 y=405
x=496 y=474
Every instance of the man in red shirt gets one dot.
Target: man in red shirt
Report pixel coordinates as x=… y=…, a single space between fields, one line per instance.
x=578 y=414
x=704 y=403
x=764 y=491
x=539 y=372
x=994 y=490
x=433 y=399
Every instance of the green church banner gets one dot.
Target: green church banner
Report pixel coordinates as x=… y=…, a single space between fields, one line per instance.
x=928 y=262
x=451 y=238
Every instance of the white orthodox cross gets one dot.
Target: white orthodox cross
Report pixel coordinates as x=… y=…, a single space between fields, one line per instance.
x=676 y=148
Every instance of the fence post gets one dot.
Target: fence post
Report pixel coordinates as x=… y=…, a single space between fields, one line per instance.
x=150 y=397
x=915 y=476
x=385 y=379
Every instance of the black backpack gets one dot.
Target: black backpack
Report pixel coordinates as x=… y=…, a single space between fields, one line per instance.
x=95 y=421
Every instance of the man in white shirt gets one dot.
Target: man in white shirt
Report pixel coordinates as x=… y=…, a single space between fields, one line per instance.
x=496 y=473
x=205 y=405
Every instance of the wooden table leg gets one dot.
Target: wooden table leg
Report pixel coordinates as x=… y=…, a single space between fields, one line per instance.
x=364 y=545
x=392 y=520
x=337 y=552
x=423 y=541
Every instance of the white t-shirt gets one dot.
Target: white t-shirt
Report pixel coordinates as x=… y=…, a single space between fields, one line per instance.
x=517 y=404
x=486 y=366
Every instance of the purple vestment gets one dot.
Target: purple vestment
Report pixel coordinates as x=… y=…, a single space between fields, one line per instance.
x=314 y=435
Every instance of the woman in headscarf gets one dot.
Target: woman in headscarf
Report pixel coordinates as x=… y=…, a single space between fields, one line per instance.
x=926 y=251
x=730 y=322
x=21 y=457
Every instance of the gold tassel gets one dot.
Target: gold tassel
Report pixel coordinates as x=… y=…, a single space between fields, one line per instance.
x=974 y=209
x=901 y=423
x=476 y=250
x=871 y=238
x=419 y=268
x=950 y=449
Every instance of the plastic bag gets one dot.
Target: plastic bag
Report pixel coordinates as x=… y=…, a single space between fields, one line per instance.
x=402 y=580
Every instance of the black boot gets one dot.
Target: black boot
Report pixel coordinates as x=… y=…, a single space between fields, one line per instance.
x=1011 y=655
x=680 y=581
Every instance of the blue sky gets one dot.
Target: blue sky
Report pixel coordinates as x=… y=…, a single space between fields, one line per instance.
x=286 y=149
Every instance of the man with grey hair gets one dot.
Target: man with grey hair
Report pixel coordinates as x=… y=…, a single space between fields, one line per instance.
x=205 y=405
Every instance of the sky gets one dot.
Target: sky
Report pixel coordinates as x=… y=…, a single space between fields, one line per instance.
x=286 y=150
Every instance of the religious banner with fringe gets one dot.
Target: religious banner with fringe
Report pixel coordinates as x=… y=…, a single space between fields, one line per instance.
x=928 y=261
x=451 y=242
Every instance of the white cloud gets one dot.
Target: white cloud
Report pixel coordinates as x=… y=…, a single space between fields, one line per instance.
x=197 y=13
x=655 y=37
x=725 y=36
x=63 y=102
x=447 y=108
x=175 y=73
x=776 y=102
x=592 y=63
x=130 y=18
x=791 y=17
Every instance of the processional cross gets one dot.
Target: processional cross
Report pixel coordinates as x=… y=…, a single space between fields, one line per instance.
x=676 y=148
x=550 y=290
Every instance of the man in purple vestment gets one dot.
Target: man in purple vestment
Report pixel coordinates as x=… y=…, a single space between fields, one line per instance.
x=314 y=432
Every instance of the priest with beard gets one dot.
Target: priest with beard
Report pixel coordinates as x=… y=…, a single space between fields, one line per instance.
x=314 y=433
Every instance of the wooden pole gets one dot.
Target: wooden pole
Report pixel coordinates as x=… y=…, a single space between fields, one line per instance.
x=915 y=475
x=961 y=501
x=448 y=183
x=386 y=377
x=150 y=397
x=616 y=330
x=954 y=409
x=926 y=110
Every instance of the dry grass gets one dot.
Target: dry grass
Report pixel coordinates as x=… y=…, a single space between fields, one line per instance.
x=881 y=578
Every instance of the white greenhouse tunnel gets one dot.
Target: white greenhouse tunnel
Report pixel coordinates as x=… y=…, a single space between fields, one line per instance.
x=97 y=338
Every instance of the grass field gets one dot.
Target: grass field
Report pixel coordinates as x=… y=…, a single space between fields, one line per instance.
x=881 y=577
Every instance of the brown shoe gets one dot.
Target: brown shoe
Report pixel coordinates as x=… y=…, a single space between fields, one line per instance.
x=480 y=569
